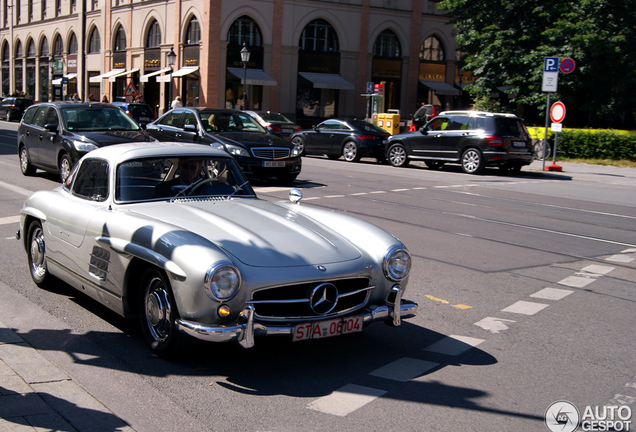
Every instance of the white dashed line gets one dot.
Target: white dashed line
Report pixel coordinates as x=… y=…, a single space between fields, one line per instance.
x=620 y=258
x=404 y=369
x=16 y=189
x=525 y=308
x=597 y=269
x=345 y=400
x=454 y=345
x=9 y=220
x=551 y=294
x=576 y=281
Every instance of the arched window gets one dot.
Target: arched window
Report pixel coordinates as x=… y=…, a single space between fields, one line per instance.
x=44 y=48
x=72 y=45
x=245 y=30
x=94 y=43
x=18 y=50
x=319 y=36
x=387 y=45
x=154 y=36
x=193 y=36
x=5 y=52
x=432 y=50
x=58 y=47
x=31 y=49
x=120 y=39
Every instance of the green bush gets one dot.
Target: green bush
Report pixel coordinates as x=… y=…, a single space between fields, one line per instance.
x=591 y=143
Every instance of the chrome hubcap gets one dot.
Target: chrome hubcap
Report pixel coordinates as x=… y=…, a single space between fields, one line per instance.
x=24 y=160
x=158 y=310
x=350 y=151
x=471 y=161
x=397 y=156
x=38 y=266
x=65 y=169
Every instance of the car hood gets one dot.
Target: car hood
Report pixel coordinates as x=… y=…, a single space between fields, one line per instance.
x=104 y=138
x=250 y=139
x=256 y=232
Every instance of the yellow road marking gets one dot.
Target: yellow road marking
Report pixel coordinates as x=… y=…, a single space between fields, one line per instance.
x=442 y=301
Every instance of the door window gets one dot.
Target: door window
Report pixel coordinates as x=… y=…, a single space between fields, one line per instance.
x=438 y=124
x=51 y=117
x=92 y=180
x=172 y=118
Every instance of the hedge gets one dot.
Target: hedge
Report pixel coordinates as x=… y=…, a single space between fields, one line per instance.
x=591 y=143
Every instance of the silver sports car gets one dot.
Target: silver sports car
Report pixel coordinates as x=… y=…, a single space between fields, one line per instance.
x=174 y=234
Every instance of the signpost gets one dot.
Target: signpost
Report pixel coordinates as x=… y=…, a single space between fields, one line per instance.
x=550 y=82
x=557 y=114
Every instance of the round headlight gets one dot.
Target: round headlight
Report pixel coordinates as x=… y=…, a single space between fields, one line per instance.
x=222 y=281
x=397 y=263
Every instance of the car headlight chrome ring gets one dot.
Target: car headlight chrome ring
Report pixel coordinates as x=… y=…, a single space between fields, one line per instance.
x=84 y=146
x=236 y=151
x=222 y=281
x=397 y=263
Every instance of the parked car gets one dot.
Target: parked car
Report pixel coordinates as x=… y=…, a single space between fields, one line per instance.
x=140 y=112
x=259 y=153
x=275 y=123
x=423 y=115
x=210 y=260
x=53 y=136
x=473 y=139
x=352 y=139
x=12 y=108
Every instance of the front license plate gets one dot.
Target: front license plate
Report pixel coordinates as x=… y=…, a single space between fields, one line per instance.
x=274 y=164
x=518 y=144
x=324 y=329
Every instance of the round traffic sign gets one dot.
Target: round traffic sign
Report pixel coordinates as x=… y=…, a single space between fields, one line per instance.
x=557 y=112
x=567 y=65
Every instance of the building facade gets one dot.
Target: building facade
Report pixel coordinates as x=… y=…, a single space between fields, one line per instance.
x=312 y=59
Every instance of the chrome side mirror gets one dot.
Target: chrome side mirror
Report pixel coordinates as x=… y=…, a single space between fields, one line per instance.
x=295 y=195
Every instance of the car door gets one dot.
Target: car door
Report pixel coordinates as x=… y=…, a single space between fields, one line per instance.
x=49 y=139
x=427 y=142
x=460 y=127
x=189 y=128
x=167 y=128
x=33 y=134
x=321 y=140
x=336 y=137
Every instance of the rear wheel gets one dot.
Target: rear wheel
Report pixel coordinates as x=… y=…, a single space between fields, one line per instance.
x=158 y=314
x=300 y=143
x=25 y=165
x=37 y=255
x=434 y=165
x=397 y=155
x=350 y=152
x=472 y=161
x=65 y=167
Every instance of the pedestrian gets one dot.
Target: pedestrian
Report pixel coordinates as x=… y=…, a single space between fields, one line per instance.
x=105 y=99
x=176 y=103
x=90 y=98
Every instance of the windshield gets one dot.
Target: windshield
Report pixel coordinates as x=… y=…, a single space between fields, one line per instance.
x=275 y=117
x=97 y=118
x=370 y=127
x=175 y=177
x=229 y=121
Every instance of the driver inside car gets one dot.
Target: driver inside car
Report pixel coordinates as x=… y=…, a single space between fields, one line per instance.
x=189 y=171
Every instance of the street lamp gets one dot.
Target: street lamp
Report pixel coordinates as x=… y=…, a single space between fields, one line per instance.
x=245 y=57
x=171 y=56
x=51 y=66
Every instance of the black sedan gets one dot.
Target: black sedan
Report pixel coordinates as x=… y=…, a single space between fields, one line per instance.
x=12 y=108
x=275 y=123
x=54 y=136
x=259 y=153
x=351 y=139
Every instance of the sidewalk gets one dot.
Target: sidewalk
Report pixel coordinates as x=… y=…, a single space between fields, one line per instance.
x=36 y=395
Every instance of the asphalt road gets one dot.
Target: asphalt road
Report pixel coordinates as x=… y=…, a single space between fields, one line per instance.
x=527 y=294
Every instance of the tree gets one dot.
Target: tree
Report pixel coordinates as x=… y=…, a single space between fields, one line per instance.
x=503 y=43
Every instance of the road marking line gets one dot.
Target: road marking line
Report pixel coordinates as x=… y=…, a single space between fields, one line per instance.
x=377 y=192
x=16 y=189
x=436 y=299
x=462 y=306
x=400 y=190
x=620 y=258
x=454 y=345
x=576 y=281
x=345 y=400
x=359 y=193
x=628 y=251
x=9 y=220
x=597 y=269
x=493 y=325
x=551 y=294
x=404 y=369
x=525 y=308
x=334 y=196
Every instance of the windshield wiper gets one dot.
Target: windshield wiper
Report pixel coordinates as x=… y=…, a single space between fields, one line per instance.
x=187 y=188
x=236 y=189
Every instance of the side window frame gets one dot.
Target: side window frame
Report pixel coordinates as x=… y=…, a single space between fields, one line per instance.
x=88 y=185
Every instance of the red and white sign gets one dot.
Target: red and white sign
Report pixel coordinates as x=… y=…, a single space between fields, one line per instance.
x=567 y=65
x=130 y=90
x=557 y=112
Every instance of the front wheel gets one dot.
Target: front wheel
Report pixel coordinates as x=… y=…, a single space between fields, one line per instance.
x=472 y=161
x=300 y=144
x=37 y=255
x=158 y=313
x=350 y=152
x=397 y=155
x=65 y=167
x=25 y=165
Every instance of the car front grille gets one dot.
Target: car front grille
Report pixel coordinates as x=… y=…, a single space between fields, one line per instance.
x=293 y=303
x=271 y=153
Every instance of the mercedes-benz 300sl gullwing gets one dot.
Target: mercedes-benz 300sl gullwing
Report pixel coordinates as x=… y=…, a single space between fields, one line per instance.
x=174 y=235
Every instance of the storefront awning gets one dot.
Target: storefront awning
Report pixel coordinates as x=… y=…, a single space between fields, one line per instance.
x=99 y=78
x=442 y=88
x=185 y=71
x=59 y=80
x=144 y=78
x=113 y=78
x=328 y=81
x=254 y=76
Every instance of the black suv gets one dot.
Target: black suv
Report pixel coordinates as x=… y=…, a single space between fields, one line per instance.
x=140 y=112
x=472 y=138
x=13 y=107
x=259 y=153
x=54 y=136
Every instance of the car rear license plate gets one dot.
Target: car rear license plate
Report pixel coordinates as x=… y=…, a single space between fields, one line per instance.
x=274 y=164
x=287 y=130
x=324 y=329
x=518 y=143
x=144 y=118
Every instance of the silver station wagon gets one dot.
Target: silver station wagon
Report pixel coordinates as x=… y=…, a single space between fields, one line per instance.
x=174 y=235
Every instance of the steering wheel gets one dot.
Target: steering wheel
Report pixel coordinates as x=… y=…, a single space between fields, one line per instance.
x=200 y=184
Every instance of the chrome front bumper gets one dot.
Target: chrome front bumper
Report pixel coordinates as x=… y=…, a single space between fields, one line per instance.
x=244 y=333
